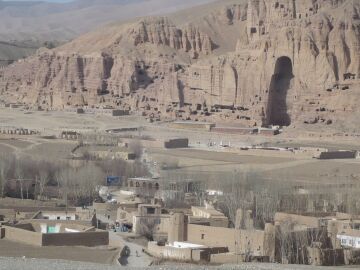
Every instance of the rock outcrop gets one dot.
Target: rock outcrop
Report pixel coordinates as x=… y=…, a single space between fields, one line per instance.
x=254 y=62
x=160 y=31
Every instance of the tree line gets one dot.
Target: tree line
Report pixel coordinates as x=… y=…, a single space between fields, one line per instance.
x=25 y=177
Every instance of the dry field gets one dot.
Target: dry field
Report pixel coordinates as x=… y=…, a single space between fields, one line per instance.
x=198 y=159
x=5 y=149
x=54 y=150
x=289 y=168
x=16 y=143
x=54 y=121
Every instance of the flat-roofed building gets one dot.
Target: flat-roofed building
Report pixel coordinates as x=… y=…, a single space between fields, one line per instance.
x=208 y=216
x=55 y=233
x=146 y=187
x=149 y=220
x=104 y=152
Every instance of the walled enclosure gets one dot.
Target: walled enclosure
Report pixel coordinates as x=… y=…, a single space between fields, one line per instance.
x=195 y=254
x=26 y=234
x=23 y=236
x=239 y=241
x=183 y=254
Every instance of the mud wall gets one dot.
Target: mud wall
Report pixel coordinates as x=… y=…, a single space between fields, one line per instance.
x=89 y=239
x=23 y=236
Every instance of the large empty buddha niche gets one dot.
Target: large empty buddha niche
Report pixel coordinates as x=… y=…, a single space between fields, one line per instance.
x=277 y=112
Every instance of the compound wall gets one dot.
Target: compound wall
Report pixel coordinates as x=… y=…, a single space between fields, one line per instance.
x=23 y=236
x=89 y=239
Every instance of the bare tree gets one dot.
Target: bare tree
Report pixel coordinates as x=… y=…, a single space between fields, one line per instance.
x=42 y=177
x=19 y=174
x=148 y=227
x=89 y=179
x=79 y=184
x=6 y=162
x=284 y=237
x=237 y=194
x=62 y=177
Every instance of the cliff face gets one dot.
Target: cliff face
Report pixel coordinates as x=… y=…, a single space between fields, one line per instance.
x=160 y=31
x=255 y=62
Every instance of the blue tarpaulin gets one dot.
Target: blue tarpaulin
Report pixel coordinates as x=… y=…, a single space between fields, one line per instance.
x=113 y=180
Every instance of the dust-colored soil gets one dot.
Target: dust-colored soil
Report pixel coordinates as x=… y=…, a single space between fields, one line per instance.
x=59 y=149
x=41 y=264
x=4 y=149
x=16 y=143
x=220 y=156
x=198 y=160
x=103 y=256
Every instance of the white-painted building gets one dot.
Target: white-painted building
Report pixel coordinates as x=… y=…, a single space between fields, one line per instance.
x=214 y=192
x=348 y=241
x=185 y=245
x=56 y=215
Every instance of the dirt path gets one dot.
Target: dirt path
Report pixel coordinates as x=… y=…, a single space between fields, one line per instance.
x=18 y=151
x=137 y=257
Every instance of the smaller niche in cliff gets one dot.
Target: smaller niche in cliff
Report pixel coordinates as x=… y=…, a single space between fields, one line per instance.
x=277 y=111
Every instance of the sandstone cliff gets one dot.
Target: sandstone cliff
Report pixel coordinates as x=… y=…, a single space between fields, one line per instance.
x=254 y=62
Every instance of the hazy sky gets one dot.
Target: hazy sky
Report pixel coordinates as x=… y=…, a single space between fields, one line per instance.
x=55 y=1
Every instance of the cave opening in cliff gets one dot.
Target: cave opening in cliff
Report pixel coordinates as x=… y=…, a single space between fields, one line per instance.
x=277 y=112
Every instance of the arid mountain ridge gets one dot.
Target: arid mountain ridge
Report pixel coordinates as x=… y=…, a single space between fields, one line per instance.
x=46 y=21
x=253 y=63
x=25 y=26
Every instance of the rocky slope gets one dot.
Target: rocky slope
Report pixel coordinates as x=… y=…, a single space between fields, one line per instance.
x=25 y=26
x=11 y=51
x=256 y=62
x=48 y=21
